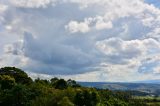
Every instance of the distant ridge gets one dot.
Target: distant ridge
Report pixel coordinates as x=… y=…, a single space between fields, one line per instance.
x=157 y=81
x=141 y=86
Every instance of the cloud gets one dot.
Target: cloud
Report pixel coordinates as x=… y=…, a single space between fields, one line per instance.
x=154 y=34
x=118 y=51
x=82 y=39
x=3 y=8
x=32 y=3
x=156 y=70
x=74 y=26
x=59 y=58
x=14 y=48
x=102 y=25
x=128 y=49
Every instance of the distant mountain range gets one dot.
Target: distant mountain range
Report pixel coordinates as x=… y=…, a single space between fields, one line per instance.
x=157 y=81
x=150 y=86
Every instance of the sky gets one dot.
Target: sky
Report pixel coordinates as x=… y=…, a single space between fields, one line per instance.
x=85 y=40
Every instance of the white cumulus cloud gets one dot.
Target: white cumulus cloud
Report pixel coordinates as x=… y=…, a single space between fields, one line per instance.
x=74 y=27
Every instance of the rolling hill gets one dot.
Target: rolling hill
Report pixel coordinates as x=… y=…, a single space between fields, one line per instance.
x=149 y=88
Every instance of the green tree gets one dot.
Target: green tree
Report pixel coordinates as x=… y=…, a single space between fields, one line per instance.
x=86 y=98
x=19 y=75
x=17 y=89
x=61 y=84
x=65 y=102
x=6 y=82
x=53 y=81
x=72 y=83
x=19 y=95
x=42 y=81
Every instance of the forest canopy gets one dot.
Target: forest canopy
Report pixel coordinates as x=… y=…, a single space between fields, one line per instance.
x=18 y=89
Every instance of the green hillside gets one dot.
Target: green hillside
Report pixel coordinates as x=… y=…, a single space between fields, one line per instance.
x=148 y=88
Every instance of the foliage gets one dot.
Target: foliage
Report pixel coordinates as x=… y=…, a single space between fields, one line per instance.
x=61 y=84
x=19 y=75
x=17 y=89
x=65 y=102
x=6 y=82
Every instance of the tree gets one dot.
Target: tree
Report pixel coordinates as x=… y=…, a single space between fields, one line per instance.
x=54 y=81
x=42 y=81
x=17 y=96
x=86 y=98
x=61 y=84
x=65 y=102
x=19 y=75
x=72 y=83
x=17 y=89
x=6 y=82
